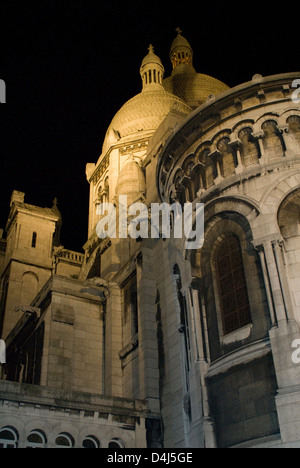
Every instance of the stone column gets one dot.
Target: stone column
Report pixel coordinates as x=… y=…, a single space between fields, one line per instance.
x=215 y=156
x=148 y=348
x=259 y=136
x=113 y=342
x=261 y=252
x=285 y=330
x=288 y=140
x=236 y=147
x=200 y=354
x=272 y=280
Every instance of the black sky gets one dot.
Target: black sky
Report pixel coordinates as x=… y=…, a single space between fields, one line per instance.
x=70 y=65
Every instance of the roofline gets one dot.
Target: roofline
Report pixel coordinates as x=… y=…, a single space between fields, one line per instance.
x=17 y=209
x=237 y=90
x=259 y=83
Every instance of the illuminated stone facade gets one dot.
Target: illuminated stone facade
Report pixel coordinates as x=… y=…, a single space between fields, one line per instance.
x=141 y=343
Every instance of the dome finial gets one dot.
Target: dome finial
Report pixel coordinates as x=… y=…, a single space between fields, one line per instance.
x=151 y=49
x=178 y=30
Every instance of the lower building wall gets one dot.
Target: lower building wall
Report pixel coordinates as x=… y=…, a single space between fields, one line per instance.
x=25 y=409
x=242 y=402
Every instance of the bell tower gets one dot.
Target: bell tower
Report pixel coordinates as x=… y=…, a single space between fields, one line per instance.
x=28 y=263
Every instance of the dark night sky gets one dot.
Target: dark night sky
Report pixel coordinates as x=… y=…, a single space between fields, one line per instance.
x=69 y=66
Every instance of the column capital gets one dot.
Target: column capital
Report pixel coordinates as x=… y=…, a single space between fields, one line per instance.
x=235 y=144
x=258 y=135
x=261 y=243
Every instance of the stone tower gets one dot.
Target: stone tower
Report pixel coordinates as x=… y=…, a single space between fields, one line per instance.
x=28 y=261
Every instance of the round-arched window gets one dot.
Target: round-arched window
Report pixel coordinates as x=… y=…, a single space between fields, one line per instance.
x=36 y=439
x=9 y=438
x=64 y=441
x=232 y=283
x=116 y=444
x=91 y=442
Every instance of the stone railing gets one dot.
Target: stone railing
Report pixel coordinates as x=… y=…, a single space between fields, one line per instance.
x=74 y=257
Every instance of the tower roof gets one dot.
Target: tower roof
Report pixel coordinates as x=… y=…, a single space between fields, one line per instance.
x=152 y=70
x=151 y=58
x=181 y=55
x=192 y=87
x=180 y=42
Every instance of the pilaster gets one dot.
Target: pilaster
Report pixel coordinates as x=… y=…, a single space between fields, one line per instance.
x=113 y=343
x=282 y=335
x=148 y=348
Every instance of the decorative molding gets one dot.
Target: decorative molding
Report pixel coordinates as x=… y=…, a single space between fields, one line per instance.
x=240 y=357
x=100 y=170
x=134 y=148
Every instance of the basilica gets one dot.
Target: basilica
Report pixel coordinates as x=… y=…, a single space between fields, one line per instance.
x=140 y=342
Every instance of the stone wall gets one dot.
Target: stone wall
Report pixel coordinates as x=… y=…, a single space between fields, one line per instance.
x=79 y=415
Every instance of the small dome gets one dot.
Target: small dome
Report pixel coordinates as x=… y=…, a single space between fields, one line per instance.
x=131 y=182
x=180 y=42
x=151 y=58
x=181 y=55
x=152 y=71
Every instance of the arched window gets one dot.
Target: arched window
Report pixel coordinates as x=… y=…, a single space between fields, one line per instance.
x=294 y=128
x=91 y=442
x=36 y=439
x=116 y=444
x=29 y=288
x=209 y=168
x=228 y=157
x=9 y=438
x=250 y=147
x=64 y=441
x=233 y=293
x=34 y=240
x=273 y=142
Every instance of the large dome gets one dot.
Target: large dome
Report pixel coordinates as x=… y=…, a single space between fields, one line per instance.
x=194 y=88
x=144 y=112
x=131 y=182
